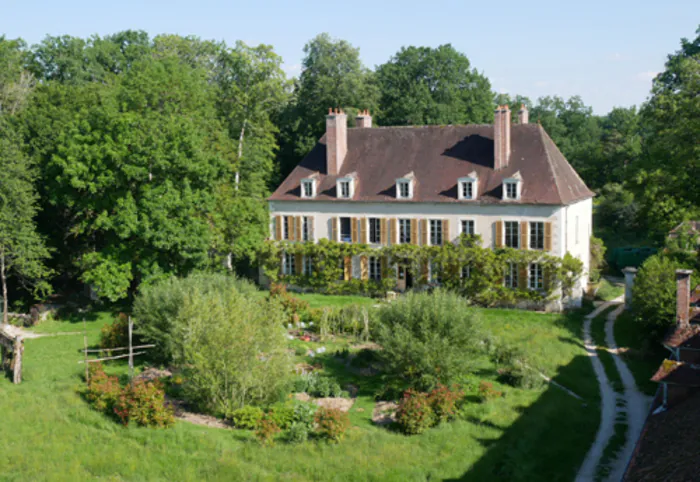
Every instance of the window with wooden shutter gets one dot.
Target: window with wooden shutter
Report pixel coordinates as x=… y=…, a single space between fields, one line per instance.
x=522 y=276
x=414 y=231
x=383 y=226
x=524 y=238
x=278 y=228
x=498 y=242
x=424 y=271
x=298 y=264
x=364 y=268
x=310 y=220
x=347 y=271
x=297 y=230
x=394 y=231
x=424 y=232
x=353 y=230
x=334 y=229
x=548 y=236
x=385 y=267
x=363 y=231
x=445 y=231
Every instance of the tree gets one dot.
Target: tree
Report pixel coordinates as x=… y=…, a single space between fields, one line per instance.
x=423 y=85
x=22 y=249
x=332 y=77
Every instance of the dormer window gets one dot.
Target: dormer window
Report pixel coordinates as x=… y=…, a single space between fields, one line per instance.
x=467 y=187
x=345 y=187
x=308 y=188
x=512 y=188
x=404 y=187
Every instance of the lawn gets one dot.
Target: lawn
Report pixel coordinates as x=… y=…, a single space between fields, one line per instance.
x=608 y=291
x=50 y=433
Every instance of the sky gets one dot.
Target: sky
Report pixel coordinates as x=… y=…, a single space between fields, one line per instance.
x=605 y=51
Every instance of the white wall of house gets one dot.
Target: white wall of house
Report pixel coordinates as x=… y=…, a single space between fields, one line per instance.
x=578 y=218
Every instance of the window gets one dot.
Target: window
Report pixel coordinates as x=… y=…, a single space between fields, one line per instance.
x=308 y=266
x=512 y=234
x=510 y=278
x=346 y=230
x=342 y=269
x=467 y=227
x=435 y=232
x=375 y=236
x=536 y=235
x=467 y=189
x=466 y=272
x=288 y=264
x=511 y=190
x=535 y=279
x=404 y=189
x=344 y=189
x=305 y=228
x=404 y=231
x=434 y=274
x=375 y=269
x=307 y=188
x=287 y=227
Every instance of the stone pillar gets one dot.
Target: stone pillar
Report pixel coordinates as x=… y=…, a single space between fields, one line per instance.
x=630 y=274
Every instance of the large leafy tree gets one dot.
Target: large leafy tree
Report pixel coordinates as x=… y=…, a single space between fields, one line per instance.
x=423 y=85
x=332 y=76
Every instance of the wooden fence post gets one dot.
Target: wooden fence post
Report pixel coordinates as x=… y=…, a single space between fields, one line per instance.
x=85 y=352
x=131 y=352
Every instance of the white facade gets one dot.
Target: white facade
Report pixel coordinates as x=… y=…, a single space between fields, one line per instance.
x=571 y=225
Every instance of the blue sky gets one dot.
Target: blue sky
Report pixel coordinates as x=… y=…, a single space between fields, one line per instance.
x=605 y=51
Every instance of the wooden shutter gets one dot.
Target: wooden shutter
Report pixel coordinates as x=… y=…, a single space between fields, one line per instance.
x=383 y=226
x=424 y=271
x=414 y=231
x=385 y=267
x=522 y=276
x=347 y=268
x=547 y=236
x=499 y=234
x=445 y=231
x=394 y=231
x=524 y=239
x=334 y=229
x=278 y=228
x=310 y=225
x=364 y=268
x=298 y=263
x=291 y=227
x=424 y=232
x=364 y=231
x=299 y=223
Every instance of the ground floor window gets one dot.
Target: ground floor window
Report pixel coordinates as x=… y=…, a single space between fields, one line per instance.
x=308 y=266
x=510 y=278
x=375 y=269
x=288 y=264
x=434 y=272
x=466 y=271
x=535 y=277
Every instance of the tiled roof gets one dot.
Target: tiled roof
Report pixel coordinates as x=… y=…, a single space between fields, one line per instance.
x=677 y=373
x=439 y=156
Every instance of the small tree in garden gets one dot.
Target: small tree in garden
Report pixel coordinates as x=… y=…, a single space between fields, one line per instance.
x=428 y=339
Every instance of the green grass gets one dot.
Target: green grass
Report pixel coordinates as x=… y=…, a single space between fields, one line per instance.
x=606 y=358
x=50 y=433
x=615 y=443
x=608 y=291
x=642 y=355
x=317 y=300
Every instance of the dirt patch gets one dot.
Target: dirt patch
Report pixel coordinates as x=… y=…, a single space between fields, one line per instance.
x=384 y=413
x=302 y=397
x=181 y=413
x=342 y=404
x=150 y=374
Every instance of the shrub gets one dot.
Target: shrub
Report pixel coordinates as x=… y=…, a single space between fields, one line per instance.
x=390 y=388
x=231 y=348
x=116 y=334
x=158 y=308
x=293 y=307
x=317 y=385
x=415 y=414
x=143 y=403
x=102 y=390
x=443 y=401
x=487 y=392
x=282 y=414
x=428 y=339
x=654 y=295
x=597 y=259
x=303 y=424
x=266 y=431
x=332 y=423
x=247 y=417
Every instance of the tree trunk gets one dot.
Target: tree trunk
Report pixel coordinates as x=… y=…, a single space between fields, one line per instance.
x=240 y=151
x=5 y=318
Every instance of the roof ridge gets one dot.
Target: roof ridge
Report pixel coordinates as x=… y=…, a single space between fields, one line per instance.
x=424 y=126
x=555 y=174
x=547 y=143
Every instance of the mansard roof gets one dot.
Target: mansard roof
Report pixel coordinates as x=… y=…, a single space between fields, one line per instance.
x=438 y=156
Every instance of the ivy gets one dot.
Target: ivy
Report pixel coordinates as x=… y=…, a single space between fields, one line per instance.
x=483 y=286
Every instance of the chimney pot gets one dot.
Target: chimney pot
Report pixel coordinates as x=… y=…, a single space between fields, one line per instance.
x=363 y=119
x=683 y=297
x=523 y=115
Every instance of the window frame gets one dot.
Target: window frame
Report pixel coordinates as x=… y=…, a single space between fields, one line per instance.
x=510 y=277
x=377 y=239
x=408 y=184
x=465 y=272
x=307 y=266
x=404 y=223
x=433 y=273
x=473 y=187
x=341 y=238
x=535 y=273
x=285 y=227
x=374 y=268
x=288 y=264
x=311 y=184
x=461 y=226
x=435 y=235
x=536 y=236
x=507 y=222
x=305 y=231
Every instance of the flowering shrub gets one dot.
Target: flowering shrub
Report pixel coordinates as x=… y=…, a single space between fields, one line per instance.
x=102 y=390
x=443 y=401
x=247 y=417
x=415 y=414
x=292 y=306
x=332 y=423
x=266 y=431
x=488 y=392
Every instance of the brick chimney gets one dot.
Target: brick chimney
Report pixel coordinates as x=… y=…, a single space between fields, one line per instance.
x=501 y=137
x=523 y=115
x=336 y=140
x=363 y=119
x=683 y=297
